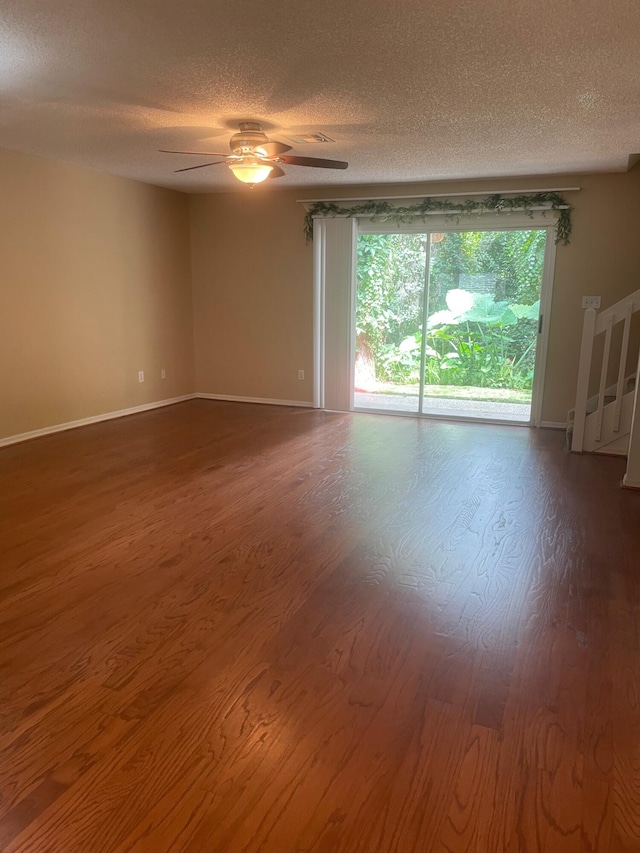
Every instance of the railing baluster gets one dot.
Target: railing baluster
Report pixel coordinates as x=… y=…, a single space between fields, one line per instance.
x=603 y=375
x=588 y=428
x=632 y=478
x=584 y=370
x=628 y=311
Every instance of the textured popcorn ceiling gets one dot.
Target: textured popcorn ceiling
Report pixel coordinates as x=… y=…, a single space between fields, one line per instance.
x=409 y=90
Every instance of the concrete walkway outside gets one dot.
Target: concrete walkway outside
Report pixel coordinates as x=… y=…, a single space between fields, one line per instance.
x=454 y=408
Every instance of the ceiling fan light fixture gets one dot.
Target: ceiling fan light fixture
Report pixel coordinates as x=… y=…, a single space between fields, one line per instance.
x=250 y=170
x=254 y=157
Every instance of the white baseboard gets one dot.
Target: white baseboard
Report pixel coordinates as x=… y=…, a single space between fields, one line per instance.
x=264 y=400
x=107 y=416
x=630 y=484
x=553 y=425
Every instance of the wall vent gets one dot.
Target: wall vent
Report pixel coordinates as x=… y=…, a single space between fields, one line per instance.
x=303 y=139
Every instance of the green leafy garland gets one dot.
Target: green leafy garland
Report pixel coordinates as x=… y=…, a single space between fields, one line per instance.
x=383 y=211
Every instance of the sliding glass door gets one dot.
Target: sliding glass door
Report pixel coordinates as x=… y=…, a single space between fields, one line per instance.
x=448 y=323
x=391 y=270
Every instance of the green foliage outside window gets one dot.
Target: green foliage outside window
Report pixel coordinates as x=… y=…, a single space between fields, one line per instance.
x=473 y=338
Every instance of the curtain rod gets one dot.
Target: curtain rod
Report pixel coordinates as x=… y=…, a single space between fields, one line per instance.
x=442 y=195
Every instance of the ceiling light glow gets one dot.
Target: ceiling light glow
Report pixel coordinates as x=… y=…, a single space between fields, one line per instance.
x=250 y=170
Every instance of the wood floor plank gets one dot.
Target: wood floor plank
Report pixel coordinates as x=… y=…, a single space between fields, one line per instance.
x=250 y=629
x=626 y=724
x=470 y=816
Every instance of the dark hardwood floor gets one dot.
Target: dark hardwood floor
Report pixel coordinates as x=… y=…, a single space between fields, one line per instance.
x=227 y=627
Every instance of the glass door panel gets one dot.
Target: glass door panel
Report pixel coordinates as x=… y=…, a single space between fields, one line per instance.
x=476 y=297
x=389 y=314
x=482 y=323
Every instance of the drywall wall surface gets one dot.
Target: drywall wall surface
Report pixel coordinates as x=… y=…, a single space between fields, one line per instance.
x=94 y=287
x=252 y=291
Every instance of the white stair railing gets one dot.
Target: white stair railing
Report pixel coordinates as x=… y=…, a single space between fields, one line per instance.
x=594 y=325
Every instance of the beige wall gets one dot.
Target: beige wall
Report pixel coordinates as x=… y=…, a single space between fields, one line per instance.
x=94 y=286
x=252 y=280
x=252 y=295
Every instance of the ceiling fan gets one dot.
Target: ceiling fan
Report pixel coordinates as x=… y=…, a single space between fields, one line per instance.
x=254 y=157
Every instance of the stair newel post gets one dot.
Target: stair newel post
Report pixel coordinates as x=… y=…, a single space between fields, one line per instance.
x=584 y=372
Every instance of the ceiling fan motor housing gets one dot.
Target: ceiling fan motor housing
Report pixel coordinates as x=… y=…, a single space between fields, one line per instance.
x=248 y=139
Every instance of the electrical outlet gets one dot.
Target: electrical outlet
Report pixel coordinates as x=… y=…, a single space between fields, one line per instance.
x=591 y=302
x=163 y=374
x=141 y=376
x=301 y=374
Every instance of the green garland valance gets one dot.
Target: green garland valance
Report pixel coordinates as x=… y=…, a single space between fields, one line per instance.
x=383 y=211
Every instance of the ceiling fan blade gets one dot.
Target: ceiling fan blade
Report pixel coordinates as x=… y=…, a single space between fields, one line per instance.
x=203 y=166
x=272 y=149
x=314 y=162
x=196 y=153
x=276 y=172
